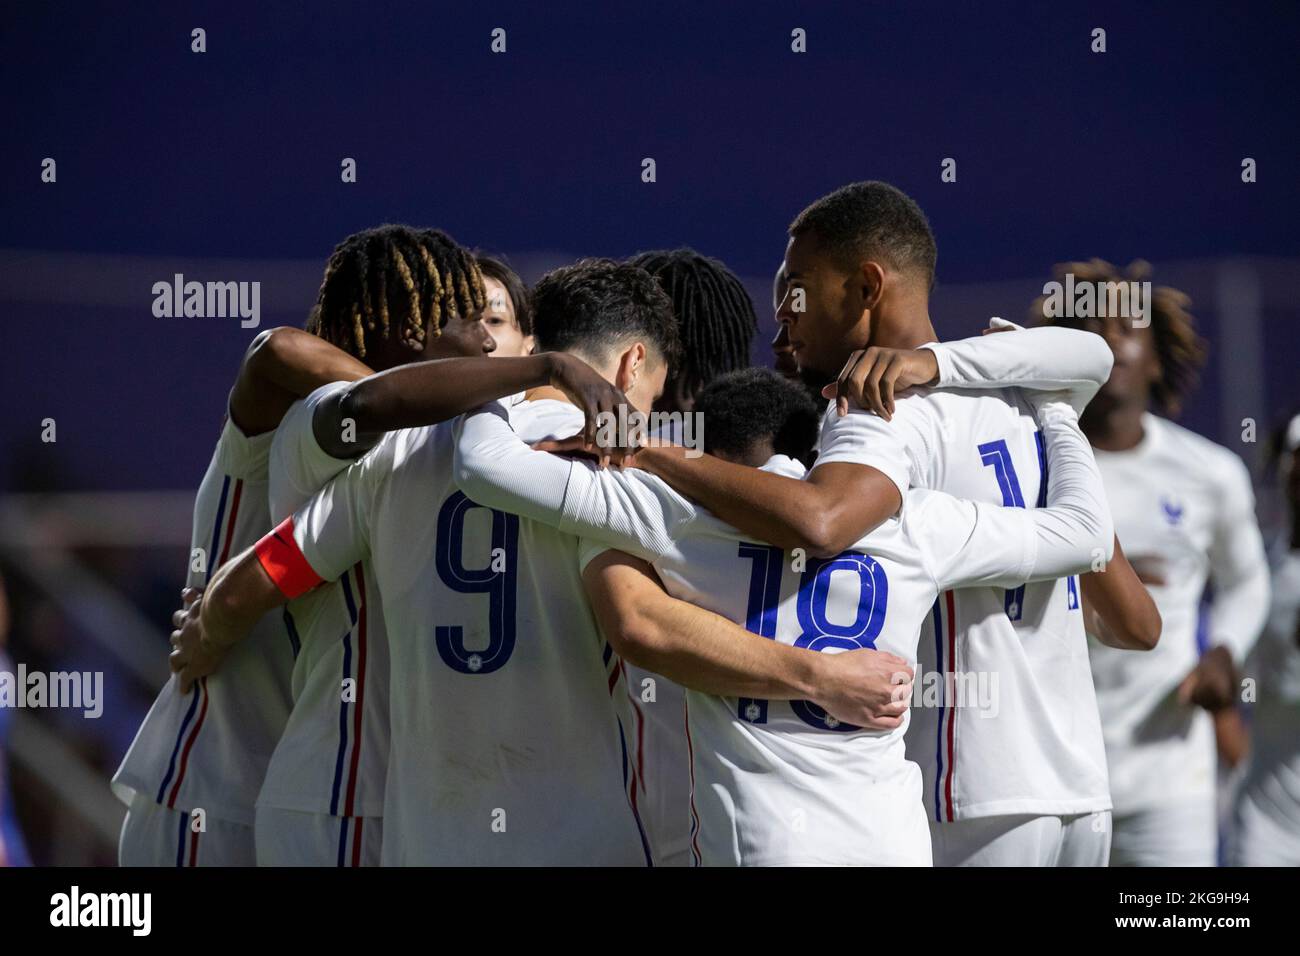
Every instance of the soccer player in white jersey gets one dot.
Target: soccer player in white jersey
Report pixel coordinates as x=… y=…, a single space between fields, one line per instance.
x=775 y=782
x=508 y=744
x=192 y=773
x=1185 y=509
x=716 y=325
x=322 y=801
x=859 y=267
x=1266 y=811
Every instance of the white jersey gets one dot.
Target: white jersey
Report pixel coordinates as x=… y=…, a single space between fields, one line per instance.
x=1185 y=504
x=506 y=742
x=778 y=782
x=663 y=757
x=333 y=755
x=1042 y=752
x=209 y=749
x=1268 y=801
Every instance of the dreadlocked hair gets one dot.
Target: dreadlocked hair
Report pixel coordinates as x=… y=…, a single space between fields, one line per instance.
x=391 y=274
x=1180 y=351
x=715 y=317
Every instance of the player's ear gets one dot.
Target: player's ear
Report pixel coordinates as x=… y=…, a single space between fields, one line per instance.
x=530 y=345
x=872 y=277
x=631 y=364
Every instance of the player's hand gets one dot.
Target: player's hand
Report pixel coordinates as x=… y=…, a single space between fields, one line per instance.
x=577 y=447
x=1212 y=684
x=871 y=377
x=585 y=387
x=1001 y=325
x=192 y=656
x=868 y=688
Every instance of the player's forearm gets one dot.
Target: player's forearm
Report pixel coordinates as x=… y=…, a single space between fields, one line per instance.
x=710 y=654
x=1075 y=531
x=1126 y=616
x=240 y=593
x=1048 y=358
x=815 y=514
x=426 y=393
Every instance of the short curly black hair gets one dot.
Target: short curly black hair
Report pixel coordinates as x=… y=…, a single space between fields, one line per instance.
x=742 y=408
x=597 y=305
x=868 y=220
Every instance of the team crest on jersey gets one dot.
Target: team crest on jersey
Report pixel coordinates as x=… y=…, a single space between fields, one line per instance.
x=1172 y=509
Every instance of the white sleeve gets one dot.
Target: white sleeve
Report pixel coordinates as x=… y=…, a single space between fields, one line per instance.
x=332 y=530
x=1047 y=358
x=898 y=448
x=971 y=544
x=629 y=510
x=496 y=468
x=299 y=466
x=1238 y=567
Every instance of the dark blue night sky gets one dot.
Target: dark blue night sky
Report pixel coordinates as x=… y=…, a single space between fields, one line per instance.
x=235 y=153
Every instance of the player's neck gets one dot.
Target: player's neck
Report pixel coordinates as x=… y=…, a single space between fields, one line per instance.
x=1113 y=425
x=906 y=328
x=545 y=393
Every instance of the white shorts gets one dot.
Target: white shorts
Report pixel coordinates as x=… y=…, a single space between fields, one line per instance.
x=1262 y=834
x=1175 y=834
x=1082 y=839
x=295 y=838
x=152 y=835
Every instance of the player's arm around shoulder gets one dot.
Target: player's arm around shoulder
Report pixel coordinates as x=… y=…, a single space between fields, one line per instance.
x=281 y=366
x=215 y=620
x=710 y=654
x=1048 y=358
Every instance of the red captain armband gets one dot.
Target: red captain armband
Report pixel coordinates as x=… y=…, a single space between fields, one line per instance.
x=284 y=561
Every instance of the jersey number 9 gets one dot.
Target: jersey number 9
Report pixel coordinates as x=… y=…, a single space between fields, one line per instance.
x=498 y=585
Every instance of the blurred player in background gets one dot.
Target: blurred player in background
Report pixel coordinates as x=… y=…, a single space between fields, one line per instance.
x=192 y=775
x=1265 y=827
x=1185 y=509
x=13 y=852
x=715 y=326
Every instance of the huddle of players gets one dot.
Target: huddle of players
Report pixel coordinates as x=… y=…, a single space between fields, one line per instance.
x=411 y=638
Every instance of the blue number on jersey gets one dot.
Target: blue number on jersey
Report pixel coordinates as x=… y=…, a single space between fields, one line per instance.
x=760 y=616
x=996 y=454
x=498 y=585
x=815 y=632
